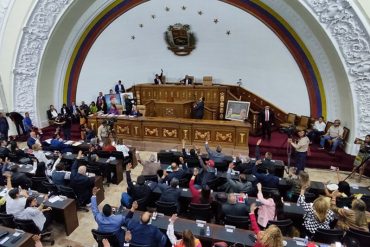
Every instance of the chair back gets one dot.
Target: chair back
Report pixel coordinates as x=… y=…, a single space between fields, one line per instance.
x=7 y=220
x=142 y=203
x=52 y=188
x=328 y=236
x=117 y=154
x=38 y=186
x=99 y=236
x=285 y=226
x=342 y=202
x=345 y=133
x=192 y=163
x=103 y=154
x=184 y=183
x=303 y=123
x=153 y=178
x=268 y=192
x=237 y=221
x=200 y=211
x=166 y=157
x=215 y=183
x=221 y=166
x=27 y=226
x=291 y=118
x=309 y=197
x=67 y=191
x=94 y=169
x=167 y=208
x=138 y=245
x=361 y=237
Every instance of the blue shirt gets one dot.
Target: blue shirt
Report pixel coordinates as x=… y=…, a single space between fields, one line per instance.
x=111 y=223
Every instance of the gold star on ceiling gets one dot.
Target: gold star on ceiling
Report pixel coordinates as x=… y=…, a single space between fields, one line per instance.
x=133 y=37
x=167 y=9
x=200 y=12
x=141 y=25
x=153 y=16
x=215 y=21
x=183 y=7
x=228 y=32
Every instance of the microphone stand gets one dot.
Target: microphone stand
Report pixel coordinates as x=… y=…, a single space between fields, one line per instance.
x=363 y=162
x=289 y=153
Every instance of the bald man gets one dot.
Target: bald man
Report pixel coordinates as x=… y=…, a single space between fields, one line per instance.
x=81 y=184
x=143 y=233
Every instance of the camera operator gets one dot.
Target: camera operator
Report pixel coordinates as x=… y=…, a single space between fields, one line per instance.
x=301 y=148
x=362 y=155
x=103 y=130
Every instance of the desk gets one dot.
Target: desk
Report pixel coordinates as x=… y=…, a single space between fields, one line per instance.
x=180 y=109
x=218 y=232
x=232 y=133
x=25 y=241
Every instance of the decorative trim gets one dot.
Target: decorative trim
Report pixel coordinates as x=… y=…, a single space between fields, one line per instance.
x=41 y=22
x=4 y=8
x=346 y=29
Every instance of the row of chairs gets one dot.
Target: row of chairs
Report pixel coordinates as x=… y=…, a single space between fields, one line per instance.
x=329 y=236
x=29 y=226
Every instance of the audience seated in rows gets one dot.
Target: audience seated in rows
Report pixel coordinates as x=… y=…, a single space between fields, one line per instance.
x=176 y=172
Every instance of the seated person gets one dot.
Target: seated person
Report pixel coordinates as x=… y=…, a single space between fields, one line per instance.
x=187 y=80
x=192 y=158
x=318 y=129
x=266 y=163
x=16 y=151
x=4 y=150
x=296 y=181
x=41 y=216
x=59 y=174
x=271 y=208
x=150 y=166
x=334 y=133
x=266 y=179
x=177 y=172
x=237 y=186
x=15 y=198
x=200 y=196
x=188 y=238
x=93 y=108
x=113 y=110
x=135 y=112
x=57 y=143
x=217 y=156
x=107 y=145
x=107 y=221
x=170 y=193
x=52 y=113
x=134 y=192
x=80 y=183
x=40 y=155
x=89 y=134
x=208 y=171
x=28 y=125
x=143 y=233
x=33 y=139
x=243 y=164
x=233 y=207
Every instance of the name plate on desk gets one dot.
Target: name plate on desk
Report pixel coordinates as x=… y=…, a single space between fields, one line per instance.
x=229 y=228
x=200 y=223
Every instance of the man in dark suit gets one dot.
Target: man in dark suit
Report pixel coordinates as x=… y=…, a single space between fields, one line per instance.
x=170 y=193
x=17 y=118
x=233 y=207
x=119 y=88
x=267 y=118
x=99 y=101
x=128 y=105
x=81 y=184
x=4 y=127
x=158 y=78
x=75 y=112
x=198 y=109
x=20 y=178
x=187 y=80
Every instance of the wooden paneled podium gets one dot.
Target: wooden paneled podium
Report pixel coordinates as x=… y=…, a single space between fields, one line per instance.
x=179 y=109
x=173 y=130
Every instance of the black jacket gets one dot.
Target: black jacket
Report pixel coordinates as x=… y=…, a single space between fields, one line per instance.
x=137 y=191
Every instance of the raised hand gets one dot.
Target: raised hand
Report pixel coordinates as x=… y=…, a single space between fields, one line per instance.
x=173 y=218
x=129 y=167
x=135 y=205
x=95 y=191
x=259 y=142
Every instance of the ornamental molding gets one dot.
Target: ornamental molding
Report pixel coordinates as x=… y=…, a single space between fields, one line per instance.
x=4 y=8
x=348 y=33
x=40 y=24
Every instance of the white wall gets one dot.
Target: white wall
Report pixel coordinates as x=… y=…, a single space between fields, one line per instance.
x=252 y=52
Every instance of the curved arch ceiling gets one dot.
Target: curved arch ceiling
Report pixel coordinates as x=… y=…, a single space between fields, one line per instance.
x=256 y=8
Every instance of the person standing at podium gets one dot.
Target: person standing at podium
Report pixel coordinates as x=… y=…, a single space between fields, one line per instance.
x=198 y=109
x=158 y=78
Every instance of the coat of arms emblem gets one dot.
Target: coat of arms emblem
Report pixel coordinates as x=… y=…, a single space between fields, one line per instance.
x=180 y=39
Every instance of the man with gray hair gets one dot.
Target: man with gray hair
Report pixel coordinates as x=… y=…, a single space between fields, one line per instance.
x=150 y=166
x=81 y=184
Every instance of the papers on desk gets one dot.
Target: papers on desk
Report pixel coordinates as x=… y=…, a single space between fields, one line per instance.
x=355 y=187
x=200 y=223
x=184 y=189
x=75 y=144
x=68 y=142
x=48 y=141
x=55 y=199
x=287 y=204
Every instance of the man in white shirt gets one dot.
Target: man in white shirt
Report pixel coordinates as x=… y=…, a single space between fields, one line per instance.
x=14 y=203
x=334 y=133
x=318 y=129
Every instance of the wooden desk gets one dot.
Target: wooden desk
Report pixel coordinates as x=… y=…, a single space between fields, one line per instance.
x=25 y=241
x=179 y=109
x=228 y=133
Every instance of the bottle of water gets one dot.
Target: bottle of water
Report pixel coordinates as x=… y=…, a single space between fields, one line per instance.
x=215 y=171
x=208 y=231
x=29 y=192
x=305 y=241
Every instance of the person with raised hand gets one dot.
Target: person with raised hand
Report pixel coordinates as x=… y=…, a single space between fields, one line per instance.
x=188 y=239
